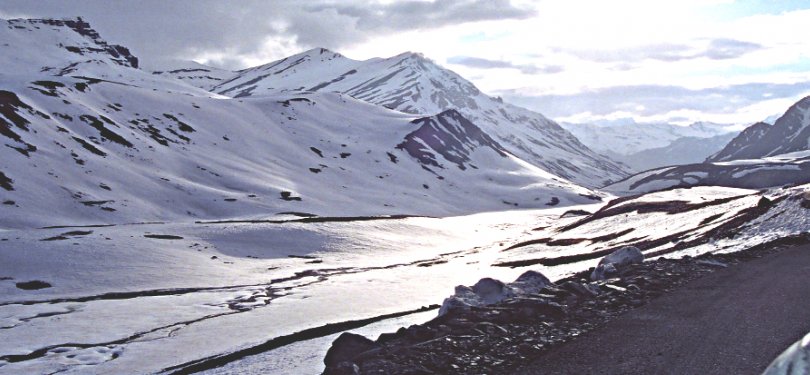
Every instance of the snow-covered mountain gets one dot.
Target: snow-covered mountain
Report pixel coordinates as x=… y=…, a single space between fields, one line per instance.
x=413 y=84
x=90 y=136
x=789 y=133
x=629 y=137
x=684 y=150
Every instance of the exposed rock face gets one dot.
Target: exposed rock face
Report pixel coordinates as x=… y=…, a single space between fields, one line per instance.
x=450 y=136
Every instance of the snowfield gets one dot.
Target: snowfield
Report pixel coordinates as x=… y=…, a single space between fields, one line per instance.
x=219 y=288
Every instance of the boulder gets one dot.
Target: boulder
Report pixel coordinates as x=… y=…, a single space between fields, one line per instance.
x=530 y=282
x=345 y=348
x=612 y=264
x=491 y=291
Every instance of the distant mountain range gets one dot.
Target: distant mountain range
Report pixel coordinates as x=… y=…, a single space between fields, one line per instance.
x=647 y=146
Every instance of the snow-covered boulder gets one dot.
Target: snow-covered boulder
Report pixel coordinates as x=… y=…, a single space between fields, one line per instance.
x=794 y=360
x=613 y=262
x=529 y=282
x=491 y=291
x=488 y=291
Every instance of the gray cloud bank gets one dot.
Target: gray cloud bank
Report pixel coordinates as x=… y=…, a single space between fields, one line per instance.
x=714 y=49
x=159 y=29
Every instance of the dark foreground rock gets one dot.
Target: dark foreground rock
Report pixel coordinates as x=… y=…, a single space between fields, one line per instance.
x=499 y=337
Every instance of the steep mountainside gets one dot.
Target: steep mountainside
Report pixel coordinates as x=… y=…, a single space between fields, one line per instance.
x=90 y=136
x=411 y=83
x=752 y=135
x=789 y=133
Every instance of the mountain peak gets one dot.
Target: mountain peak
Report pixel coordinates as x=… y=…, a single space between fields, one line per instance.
x=319 y=51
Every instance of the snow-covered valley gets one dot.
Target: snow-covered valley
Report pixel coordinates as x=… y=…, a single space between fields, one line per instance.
x=192 y=218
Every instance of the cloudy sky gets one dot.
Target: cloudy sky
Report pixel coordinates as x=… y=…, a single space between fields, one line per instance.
x=574 y=60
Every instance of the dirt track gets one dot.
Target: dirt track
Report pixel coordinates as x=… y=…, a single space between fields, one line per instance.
x=733 y=321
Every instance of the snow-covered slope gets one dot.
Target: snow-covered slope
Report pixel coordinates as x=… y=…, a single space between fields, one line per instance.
x=789 y=133
x=411 y=83
x=628 y=137
x=195 y=74
x=774 y=171
x=104 y=142
x=684 y=150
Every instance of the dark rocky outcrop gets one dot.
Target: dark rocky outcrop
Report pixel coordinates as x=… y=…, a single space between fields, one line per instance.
x=450 y=136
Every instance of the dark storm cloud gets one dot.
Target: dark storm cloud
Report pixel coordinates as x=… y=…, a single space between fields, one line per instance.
x=649 y=100
x=180 y=28
x=715 y=49
x=481 y=63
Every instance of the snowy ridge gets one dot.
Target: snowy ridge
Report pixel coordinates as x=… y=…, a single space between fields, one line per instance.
x=411 y=83
x=195 y=74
